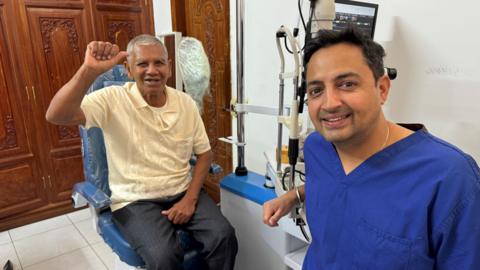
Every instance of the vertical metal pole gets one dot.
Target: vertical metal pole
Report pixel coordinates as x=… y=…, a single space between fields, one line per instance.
x=280 y=34
x=241 y=169
x=279 y=126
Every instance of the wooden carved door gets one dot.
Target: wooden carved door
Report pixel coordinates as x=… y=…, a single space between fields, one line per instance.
x=19 y=166
x=58 y=37
x=208 y=21
x=42 y=44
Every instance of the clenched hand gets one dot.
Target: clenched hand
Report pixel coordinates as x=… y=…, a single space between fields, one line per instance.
x=181 y=212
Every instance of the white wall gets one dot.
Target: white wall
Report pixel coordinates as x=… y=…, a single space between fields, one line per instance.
x=435 y=47
x=433 y=44
x=162 y=16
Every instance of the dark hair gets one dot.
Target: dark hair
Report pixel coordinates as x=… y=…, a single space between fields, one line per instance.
x=372 y=51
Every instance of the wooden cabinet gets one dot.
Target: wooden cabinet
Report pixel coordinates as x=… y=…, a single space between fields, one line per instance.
x=42 y=44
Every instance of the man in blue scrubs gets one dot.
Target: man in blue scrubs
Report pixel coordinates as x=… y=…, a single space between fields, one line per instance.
x=378 y=195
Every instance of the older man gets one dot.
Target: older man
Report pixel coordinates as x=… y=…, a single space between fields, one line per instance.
x=150 y=133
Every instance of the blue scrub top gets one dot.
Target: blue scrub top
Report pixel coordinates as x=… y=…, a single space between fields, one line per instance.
x=413 y=205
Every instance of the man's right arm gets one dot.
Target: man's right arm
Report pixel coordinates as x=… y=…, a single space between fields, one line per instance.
x=275 y=209
x=65 y=108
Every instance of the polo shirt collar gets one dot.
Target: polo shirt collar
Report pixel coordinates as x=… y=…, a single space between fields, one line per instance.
x=139 y=101
x=165 y=117
x=137 y=98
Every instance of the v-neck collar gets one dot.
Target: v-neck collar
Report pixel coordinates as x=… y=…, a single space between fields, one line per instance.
x=376 y=160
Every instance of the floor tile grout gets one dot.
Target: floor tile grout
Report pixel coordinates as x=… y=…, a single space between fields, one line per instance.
x=84 y=237
x=16 y=253
x=11 y=238
x=71 y=222
x=42 y=261
x=81 y=219
x=19 y=260
x=100 y=258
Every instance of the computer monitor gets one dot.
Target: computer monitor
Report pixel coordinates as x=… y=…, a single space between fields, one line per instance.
x=359 y=14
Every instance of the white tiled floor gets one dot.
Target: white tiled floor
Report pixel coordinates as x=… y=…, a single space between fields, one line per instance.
x=63 y=242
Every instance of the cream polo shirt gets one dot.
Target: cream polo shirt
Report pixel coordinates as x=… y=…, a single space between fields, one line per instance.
x=148 y=148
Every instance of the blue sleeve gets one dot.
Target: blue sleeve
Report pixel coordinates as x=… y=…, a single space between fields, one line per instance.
x=457 y=240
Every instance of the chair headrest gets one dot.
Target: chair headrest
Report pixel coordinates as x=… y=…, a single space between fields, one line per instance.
x=118 y=75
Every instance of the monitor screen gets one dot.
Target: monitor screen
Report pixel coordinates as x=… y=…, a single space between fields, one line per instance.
x=361 y=15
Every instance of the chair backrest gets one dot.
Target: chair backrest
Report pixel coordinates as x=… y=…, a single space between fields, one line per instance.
x=93 y=145
x=116 y=76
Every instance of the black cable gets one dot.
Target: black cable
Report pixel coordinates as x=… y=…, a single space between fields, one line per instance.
x=300 y=222
x=302 y=228
x=283 y=180
x=286 y=45
x=308 y=35
x=301 y=16
x=8 y=265
x=304 y=27
x=303 y=84
x=301 y=175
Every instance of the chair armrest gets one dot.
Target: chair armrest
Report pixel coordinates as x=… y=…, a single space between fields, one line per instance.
x=93 y=195
x=214 y=167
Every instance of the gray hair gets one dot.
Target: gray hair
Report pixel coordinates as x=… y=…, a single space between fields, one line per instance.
x=144 y=39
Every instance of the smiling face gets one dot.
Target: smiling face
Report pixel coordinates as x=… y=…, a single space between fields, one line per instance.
x=150 y=67
x=344 y=101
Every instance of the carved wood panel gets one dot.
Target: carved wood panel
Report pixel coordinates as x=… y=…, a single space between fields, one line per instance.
x=118 y=25
x=208 y=21
x=59 y=54
x=13 y=137
x=61 y=36
x=19 y=169
x=17 y=179
x=69 y=174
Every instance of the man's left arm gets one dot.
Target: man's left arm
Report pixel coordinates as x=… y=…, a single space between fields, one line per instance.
x=183 y=210
x=458 y=237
